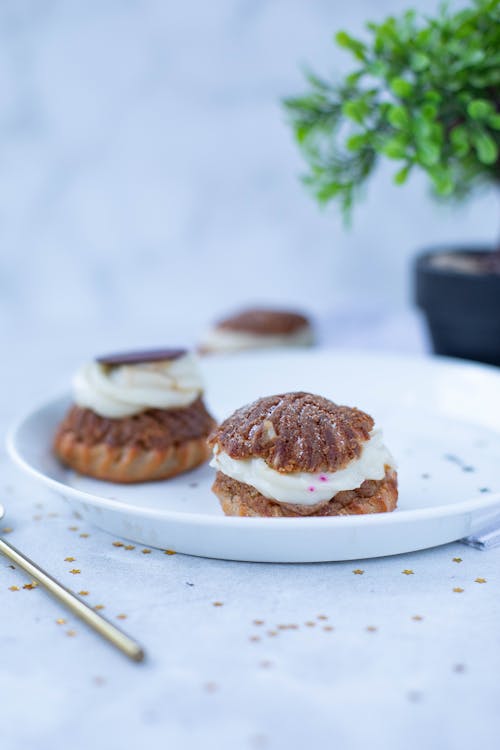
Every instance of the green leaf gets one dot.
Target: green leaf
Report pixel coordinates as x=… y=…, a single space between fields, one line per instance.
x=428 y=153
x=421 y=127
x=346 y=41
x=479 y=109
x=460 y=140
x=486 y=148
x=443 y=181
x=402 y=175
x=433 y=96
x=327 y=192
x=494 y=121
x=401 y=87
x=429 y=111
x=355 y=109
x=395 y=148
x=419 y=61
x=355 y=142
x=398 y=117
x=301 y=132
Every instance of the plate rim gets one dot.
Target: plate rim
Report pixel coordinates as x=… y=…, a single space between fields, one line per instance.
x=476 y=503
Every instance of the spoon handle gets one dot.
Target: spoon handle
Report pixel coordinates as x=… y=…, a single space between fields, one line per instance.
x=102 y=626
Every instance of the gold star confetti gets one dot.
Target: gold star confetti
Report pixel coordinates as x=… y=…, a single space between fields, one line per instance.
x=417 y=618
x=258 y=622
x=254 y=638
x=84 y=536
x=328 y=628
x=98 y=607
x=170 y=552
x=69 y=559
x=322 y=617
x=13 y=588
x=72 y=528
x=358 y=572
x=61 y=621
x=457 y=590
x=121 y=617
x=218 y=604
x=75 y=571
x=117 y=544
x=129 y=546
x=310 y=624
x=480 y=580
x=7 y=530
x=371 y=629
x=272 y=633
x=71 y=633
x=457 y=559
x=30 y=586
x=407 y=572
x=146 y=551
x=84 y=593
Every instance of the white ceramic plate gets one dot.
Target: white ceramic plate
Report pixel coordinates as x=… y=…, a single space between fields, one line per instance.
x=441 y=420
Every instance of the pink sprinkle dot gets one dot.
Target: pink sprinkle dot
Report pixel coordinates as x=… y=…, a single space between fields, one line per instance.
x=311 y=489
x=323 y=478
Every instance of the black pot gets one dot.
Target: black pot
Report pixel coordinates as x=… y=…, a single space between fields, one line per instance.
x=462 y=309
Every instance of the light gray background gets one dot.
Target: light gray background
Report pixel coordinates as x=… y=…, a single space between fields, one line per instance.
x=147 y=175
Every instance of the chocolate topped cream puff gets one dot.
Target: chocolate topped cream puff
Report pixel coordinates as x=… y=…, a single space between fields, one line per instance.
x=136 y=417
x=297 y=454
x=258 y=328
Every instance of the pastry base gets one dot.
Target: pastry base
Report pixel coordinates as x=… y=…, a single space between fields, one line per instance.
x=374 y=496
x=128 y=464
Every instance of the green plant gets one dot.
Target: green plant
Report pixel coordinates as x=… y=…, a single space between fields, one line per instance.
x=424 y=92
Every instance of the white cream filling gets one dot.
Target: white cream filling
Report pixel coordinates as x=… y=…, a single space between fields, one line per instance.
x=222 y=340
x=304 y=488
x=124 y=390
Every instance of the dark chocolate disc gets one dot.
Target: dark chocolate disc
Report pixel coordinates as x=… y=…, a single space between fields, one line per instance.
x=135 y=358
x=264 y=322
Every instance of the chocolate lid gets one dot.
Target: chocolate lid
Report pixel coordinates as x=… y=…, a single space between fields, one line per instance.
x=264 y=322
x=135 y=358
x=295 y=432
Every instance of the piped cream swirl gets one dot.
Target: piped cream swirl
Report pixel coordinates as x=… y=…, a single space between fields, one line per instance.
x=222 y=340
x=304 y=488
x=123 y=390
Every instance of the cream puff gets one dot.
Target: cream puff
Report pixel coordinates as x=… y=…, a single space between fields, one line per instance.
x=136 y=417
x=297 y=454
x=258 y=328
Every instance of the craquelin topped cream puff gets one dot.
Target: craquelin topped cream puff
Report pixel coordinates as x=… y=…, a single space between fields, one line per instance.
x=258 y=328
x=136 y=417
x=297 y=454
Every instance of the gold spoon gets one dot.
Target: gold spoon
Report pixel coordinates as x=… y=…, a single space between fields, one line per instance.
x=102 y=626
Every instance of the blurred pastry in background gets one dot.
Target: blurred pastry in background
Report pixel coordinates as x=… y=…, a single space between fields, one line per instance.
x=258 y=328
x=136 y=417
